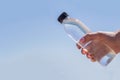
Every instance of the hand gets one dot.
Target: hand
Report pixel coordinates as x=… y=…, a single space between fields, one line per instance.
x=99 y=41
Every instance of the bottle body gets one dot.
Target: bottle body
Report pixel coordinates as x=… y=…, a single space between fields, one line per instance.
x=75 y=29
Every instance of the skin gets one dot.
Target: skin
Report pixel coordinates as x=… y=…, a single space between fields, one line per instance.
x=100 y=44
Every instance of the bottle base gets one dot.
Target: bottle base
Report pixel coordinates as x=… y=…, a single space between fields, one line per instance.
x=107 y=59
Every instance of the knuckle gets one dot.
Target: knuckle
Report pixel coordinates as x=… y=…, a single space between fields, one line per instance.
x=99 y=33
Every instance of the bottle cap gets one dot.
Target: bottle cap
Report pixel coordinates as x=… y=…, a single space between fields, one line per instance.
x=62 y=17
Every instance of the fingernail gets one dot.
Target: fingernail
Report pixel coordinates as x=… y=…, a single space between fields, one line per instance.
x=89 y=56
x=84 y=51
x=93 y=60
x=78 y=46
x=82 y=40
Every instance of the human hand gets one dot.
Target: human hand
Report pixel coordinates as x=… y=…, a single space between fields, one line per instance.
x=98 y=46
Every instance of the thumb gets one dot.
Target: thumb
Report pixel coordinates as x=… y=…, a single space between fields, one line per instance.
x=88 y=37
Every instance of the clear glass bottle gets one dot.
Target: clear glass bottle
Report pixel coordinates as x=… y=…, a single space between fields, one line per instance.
x=76 y=29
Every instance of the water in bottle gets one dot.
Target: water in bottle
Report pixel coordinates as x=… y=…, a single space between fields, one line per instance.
x=76 y=29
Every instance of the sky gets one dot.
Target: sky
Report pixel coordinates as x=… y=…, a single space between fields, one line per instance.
x=34 y=46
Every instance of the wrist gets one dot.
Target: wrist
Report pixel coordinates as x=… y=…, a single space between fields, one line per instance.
x=117 y=38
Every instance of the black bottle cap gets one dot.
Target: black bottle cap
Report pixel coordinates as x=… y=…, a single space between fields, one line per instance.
x=62 y=17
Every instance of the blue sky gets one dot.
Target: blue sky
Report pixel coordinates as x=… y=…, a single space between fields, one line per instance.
x=34 y=46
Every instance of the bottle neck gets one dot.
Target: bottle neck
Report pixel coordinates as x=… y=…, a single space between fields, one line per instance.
x=73 y=21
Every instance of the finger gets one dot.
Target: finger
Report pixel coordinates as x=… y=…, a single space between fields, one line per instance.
x=93 y=59
x=78 y=46
x=88 y=37
x=84 y=51
x=91 y=47
x=89 y=56
x=91 y=51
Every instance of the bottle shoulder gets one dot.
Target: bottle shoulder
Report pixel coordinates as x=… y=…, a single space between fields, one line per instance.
x=68 y=20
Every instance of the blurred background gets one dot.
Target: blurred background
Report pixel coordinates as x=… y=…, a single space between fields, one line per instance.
x=34 y=46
